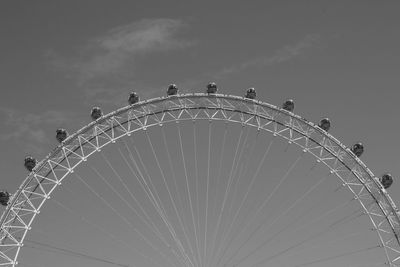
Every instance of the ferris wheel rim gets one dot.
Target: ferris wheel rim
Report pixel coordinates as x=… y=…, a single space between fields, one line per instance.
x=390 y=211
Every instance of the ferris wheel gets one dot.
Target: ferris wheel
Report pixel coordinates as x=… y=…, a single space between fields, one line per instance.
x=200 y=180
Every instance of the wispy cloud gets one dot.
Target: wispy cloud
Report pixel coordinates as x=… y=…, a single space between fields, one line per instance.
x=28 y=130
x=284 y=54
x=121 y=45
x=105 y=65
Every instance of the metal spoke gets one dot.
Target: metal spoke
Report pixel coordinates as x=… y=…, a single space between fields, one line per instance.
x=228 y=185
x=196 y=171
x=208 y=182
x=181 y=221
x=55 y=249
x=336 y=256
x=103 y=230
x=160 y=206
x=283 y=179
x=115 y=211
x=186 y=174
x=276 y=219
x=169 y=194
x=330 y=227
x=217 y=184
x=153 y=227
x=248 y=189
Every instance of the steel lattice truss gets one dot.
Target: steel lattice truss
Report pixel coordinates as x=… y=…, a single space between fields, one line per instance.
x=49 y=173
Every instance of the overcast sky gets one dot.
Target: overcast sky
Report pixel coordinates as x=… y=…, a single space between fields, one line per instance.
x=338 y=59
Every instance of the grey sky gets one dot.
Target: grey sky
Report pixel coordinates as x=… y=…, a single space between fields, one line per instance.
x=335 y=59
x=338 y=59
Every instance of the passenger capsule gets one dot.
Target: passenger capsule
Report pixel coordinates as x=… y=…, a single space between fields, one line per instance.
x=61 y=135
x=325 y=124
x=357 y=149
x=96 y=113
x=251 y=93
x=212 y=88
x=30 y=163
x=386 y=180
x=133 y=98
x=4 y=198
x=172 y=89
x=288 y=105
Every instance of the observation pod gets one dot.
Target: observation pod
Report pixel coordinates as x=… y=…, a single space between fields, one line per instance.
x=172 y=90
x=61 y=135
x=386 y=180
x=288 y=105
x=325 y=124
x=357 y=149
x=212 y=88
x=133 y=98
x=29 y=163
x=96 y=113
x=251 y=93
x=4 y=198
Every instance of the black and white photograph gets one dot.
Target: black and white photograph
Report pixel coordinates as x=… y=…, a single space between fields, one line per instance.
x=199 y=133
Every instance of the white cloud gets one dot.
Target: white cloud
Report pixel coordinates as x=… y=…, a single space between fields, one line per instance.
x=118 y=47
x=104 y=67
x=145 y=35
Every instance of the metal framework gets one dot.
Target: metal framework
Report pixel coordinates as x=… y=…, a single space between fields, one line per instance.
x=27 y=202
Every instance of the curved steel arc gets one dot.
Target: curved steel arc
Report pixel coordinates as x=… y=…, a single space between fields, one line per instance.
x=353 y=173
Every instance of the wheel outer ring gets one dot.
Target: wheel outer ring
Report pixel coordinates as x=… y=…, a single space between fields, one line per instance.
x=199 y=106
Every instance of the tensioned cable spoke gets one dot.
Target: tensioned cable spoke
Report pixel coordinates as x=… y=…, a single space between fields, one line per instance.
x=173 y=251
x=106 y=232
x=120 y=196
x=158 y=205
x=153 y=227
x=113 y=209
x=117 y=193
x=330 y=227
x=217 y=184
x=236 y=182
x=245 y=196
x=154 y=191
x=370 y=264
x=186 y=173
x=232 y=175
x=147 y=190
x=208 y=181
x=228 y=184
x=264 y=204
x=105 y=202
x=170 y=195
x=142 y=184
x=145 y=187
x=283 y=214
x=141 y=181
x=177 y=190
x=352 y=235
x=46 y=249
x=295 y=220
x=261 y=163
x=336 y=256
x=196 y=171
x=291 y=223
x=74 y=253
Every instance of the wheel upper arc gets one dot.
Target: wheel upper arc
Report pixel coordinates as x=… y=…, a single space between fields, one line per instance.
x=32 y=193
